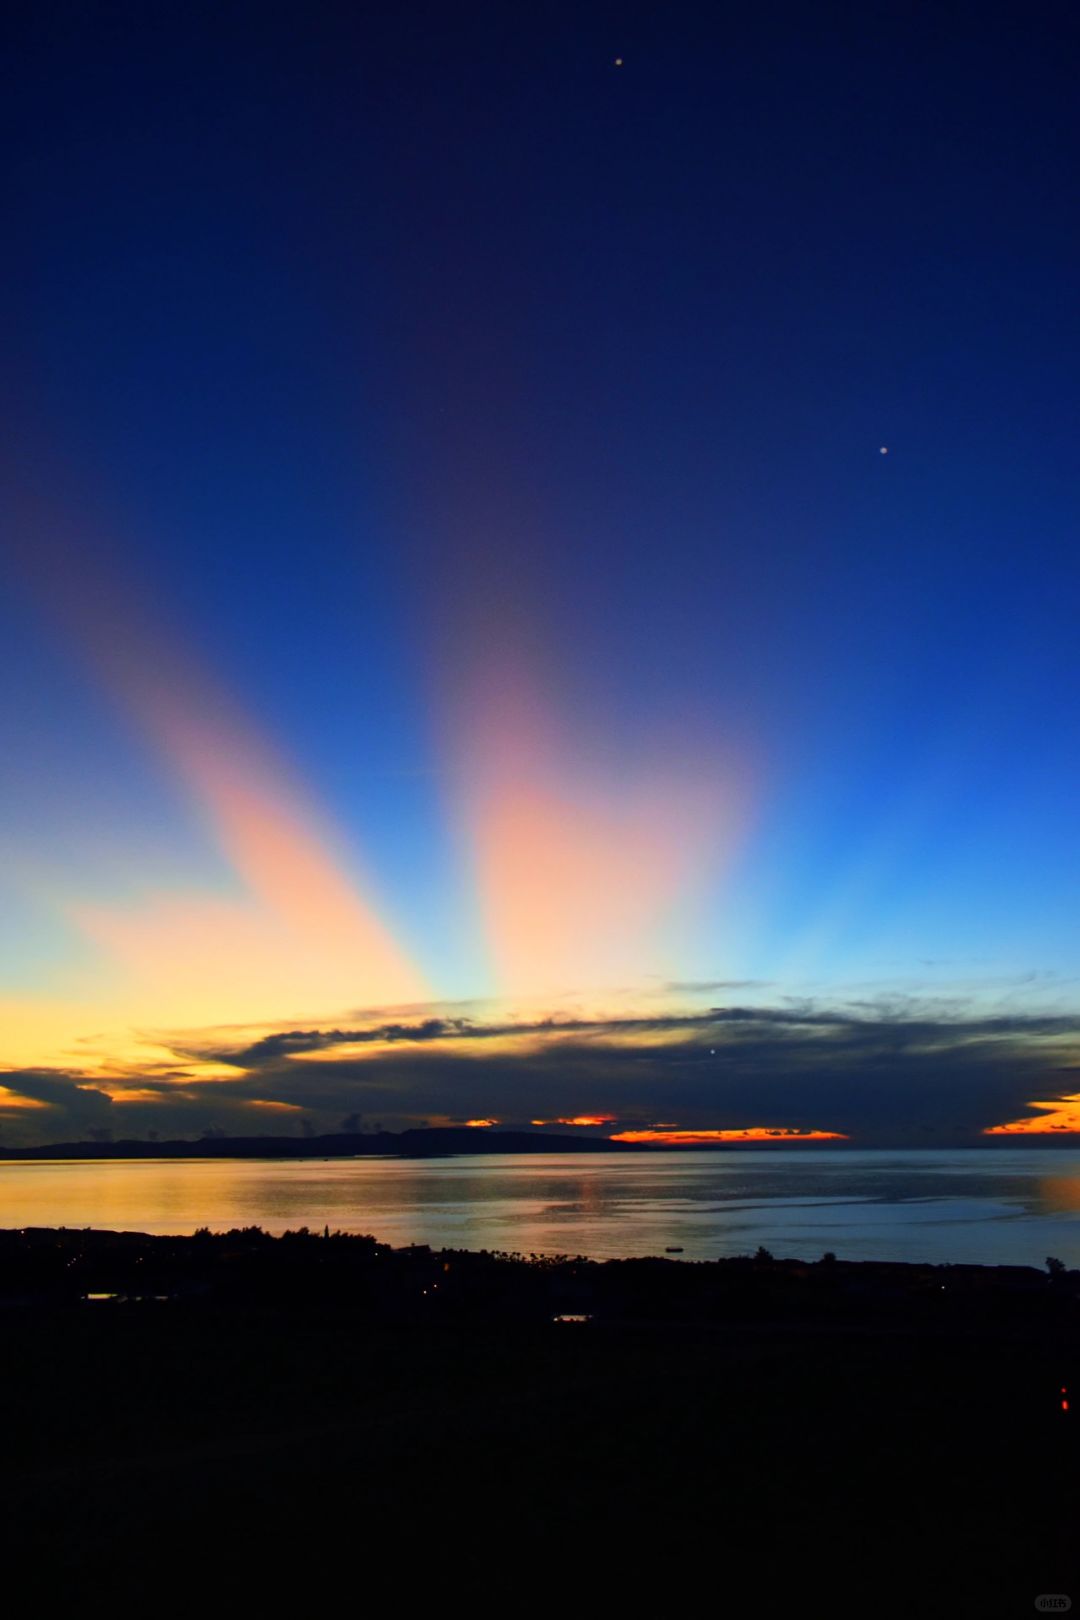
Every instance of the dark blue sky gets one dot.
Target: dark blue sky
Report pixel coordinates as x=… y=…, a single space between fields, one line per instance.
x=470 y=435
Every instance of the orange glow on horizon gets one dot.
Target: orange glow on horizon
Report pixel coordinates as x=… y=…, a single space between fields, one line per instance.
x=579 y=1119
x=752 y=1133
x=132 y=1094
x=14 y=1100
x=1062 y=1115
x=481 y=1124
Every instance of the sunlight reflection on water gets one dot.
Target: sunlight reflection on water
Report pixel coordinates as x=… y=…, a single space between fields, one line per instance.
x=992 y=1205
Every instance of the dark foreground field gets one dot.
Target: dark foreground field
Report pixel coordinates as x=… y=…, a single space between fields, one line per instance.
x=740 y=1438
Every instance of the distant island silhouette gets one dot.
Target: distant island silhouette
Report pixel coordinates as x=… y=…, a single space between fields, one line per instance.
x=435 y=1142
x=414 y=1144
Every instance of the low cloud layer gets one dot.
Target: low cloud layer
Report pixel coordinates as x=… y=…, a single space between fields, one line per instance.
x=886 y=1073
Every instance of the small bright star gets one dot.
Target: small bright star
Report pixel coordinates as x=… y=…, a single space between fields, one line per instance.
x=618 y=61
x=884 y=450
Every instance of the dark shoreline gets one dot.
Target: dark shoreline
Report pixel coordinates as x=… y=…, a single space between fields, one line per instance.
x=53 y=1266
x=251 y=1418
x=59 y=1262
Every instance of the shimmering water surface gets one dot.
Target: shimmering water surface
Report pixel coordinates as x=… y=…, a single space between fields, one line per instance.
x=1003 y=1205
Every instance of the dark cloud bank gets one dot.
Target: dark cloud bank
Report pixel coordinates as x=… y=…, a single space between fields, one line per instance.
x=884 y=1075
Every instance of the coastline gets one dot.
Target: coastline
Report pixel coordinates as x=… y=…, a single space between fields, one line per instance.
x=276 y=1413
x=57 y=1265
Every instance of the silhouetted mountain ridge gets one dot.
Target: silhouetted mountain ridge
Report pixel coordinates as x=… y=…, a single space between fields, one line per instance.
x=414 y=1144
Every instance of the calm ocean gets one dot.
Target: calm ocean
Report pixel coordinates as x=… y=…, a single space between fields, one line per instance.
x=987 y=1206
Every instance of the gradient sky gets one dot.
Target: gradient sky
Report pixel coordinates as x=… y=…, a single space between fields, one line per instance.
x=540 y=573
